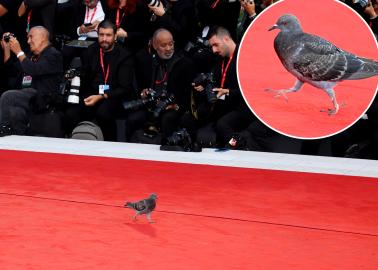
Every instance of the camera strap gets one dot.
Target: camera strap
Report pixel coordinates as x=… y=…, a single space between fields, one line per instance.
x=175 y=58
x=214 y=5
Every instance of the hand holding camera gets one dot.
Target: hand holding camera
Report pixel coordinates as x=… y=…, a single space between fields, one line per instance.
x=11 y=42
x=156 y=7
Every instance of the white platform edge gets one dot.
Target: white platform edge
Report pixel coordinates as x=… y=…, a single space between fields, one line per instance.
x=243 y=159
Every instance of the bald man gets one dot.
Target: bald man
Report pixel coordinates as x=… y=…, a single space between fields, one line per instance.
x=42 y=73
x=163 y=70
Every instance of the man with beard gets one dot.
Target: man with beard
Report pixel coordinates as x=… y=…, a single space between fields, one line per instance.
x=167 y=73
x=229 y=114
x=106 y=81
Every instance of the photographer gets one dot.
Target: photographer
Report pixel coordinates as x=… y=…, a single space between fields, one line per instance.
x=106 y=81
x=38 y=12
x=229 y=112
x=223 y=13
x=41 y=76
x=176 y=16
x=132 y=19
x=85 y=20
x=367 y=10
x=162 y=69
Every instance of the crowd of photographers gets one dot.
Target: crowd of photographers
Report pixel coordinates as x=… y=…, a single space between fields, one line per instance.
x=163 y=70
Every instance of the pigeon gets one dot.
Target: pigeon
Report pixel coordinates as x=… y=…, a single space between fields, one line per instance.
x=145 y=206
x=316 y=61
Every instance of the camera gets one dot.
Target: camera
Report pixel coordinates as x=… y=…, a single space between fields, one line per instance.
x=153 y=3
x=71 y=85
x=7 y=37
x=156 y=102
x=362 y=3
x=180 y=137
x=198 y=45
x=207 y=81
x=180 y=141
x=139 y=103
x=164 y=100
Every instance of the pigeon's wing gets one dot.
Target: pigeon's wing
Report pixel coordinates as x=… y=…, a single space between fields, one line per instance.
x=141 y=206
x=320 y=60
x=151 y=204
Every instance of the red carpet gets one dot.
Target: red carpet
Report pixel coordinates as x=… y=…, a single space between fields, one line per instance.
x=65 y=212
x=259 y=68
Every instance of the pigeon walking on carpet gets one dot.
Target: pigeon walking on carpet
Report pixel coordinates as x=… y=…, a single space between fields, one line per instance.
x=314 y=60
x=145 y=206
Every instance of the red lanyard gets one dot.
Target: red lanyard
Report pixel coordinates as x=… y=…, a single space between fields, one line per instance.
x=214 y=5
x=118 y=21
x=103 y=68
x=162 y=80
x=28 y=22
x=224 y=71
x=87 y=14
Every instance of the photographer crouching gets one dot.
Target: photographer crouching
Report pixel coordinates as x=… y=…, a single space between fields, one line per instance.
x=164 y=77
x=41 y=73
x=222 y=106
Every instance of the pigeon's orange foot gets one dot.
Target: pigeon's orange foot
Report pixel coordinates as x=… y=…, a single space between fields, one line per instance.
x=330 y=111
x=279 y=93
x=334 y=110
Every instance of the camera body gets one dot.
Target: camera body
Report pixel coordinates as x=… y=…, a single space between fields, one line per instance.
x=197 y=46
x=139 y=103
x=207 y=81
x=178 y=138
x=7 y=37
x=157 y=102
x=164 y=100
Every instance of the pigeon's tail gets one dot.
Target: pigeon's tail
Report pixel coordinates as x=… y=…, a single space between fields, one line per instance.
x=129 y=205
x=367 y=68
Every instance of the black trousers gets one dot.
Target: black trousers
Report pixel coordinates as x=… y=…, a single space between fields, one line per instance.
x=231 y=122
x=167 y=122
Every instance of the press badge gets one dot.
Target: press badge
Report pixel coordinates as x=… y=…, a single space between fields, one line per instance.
x=26 y=81
x=102 y=88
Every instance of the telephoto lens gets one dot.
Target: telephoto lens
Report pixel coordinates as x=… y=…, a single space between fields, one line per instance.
x=154 y=3
x=73 y=96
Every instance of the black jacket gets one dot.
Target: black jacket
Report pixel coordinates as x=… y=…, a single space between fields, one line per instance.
x=180 y=76
x=120 y=74
x=179 y=19
x=234 y=100
x=46 y=70
x=136 y=25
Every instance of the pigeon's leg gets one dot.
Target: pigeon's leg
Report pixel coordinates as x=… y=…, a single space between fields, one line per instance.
x=135 y=216
x=148 y=215
x=336 y=106
x=282 y=92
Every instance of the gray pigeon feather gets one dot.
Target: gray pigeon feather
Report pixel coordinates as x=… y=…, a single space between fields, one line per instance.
x=314 y=60
x=145 y=206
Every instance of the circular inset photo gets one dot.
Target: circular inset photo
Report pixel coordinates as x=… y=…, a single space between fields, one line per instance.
x=307 y=68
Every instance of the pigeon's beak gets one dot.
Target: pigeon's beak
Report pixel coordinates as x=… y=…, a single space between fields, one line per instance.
x=273 y=27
